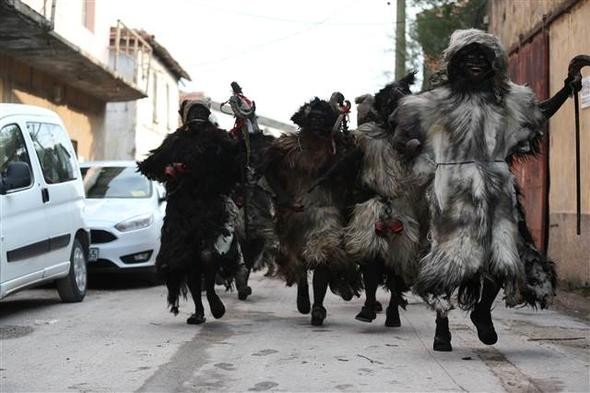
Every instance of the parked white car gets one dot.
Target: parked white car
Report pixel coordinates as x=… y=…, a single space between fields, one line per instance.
x=43 y=236
x=125 y=212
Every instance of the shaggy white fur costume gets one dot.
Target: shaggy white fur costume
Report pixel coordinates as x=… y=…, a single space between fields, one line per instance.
x=467 y=138
x=396 y=197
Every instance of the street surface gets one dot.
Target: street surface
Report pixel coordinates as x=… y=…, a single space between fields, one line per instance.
x=121 y=338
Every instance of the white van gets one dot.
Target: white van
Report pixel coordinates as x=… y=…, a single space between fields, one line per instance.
x=43 y=236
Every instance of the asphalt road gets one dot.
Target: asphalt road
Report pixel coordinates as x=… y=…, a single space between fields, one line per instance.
x=121 y=338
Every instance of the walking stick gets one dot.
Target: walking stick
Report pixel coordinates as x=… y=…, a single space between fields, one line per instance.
x=244 y=111
x=574 y=68
x=578 y=177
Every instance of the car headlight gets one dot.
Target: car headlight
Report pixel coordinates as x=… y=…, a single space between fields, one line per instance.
x=134 y=223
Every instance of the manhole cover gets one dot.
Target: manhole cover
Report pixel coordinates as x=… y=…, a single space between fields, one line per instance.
x=14 y=331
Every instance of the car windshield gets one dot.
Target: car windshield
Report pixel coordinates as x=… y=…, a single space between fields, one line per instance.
x=115 y=182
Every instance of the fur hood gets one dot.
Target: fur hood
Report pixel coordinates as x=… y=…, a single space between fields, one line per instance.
x=463 y=38
x=322 y=106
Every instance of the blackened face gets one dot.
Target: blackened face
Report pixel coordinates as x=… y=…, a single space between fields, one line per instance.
x=198 y=112
x=474 y=64
x=319 y=122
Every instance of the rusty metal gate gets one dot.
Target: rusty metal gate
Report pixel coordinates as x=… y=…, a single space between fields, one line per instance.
x=530 y=64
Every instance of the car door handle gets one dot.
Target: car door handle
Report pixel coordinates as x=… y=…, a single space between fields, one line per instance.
x=45 y=195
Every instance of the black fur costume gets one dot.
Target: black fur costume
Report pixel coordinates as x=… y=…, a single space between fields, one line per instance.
x=197 y=164
x=310 y=224
x=257 y=236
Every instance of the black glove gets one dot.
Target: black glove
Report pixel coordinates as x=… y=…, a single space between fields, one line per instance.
x=574 y=76
x=573 y=82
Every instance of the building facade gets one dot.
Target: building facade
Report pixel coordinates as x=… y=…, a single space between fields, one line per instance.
x=55 y=54
x=541 y=37
x=134 y=128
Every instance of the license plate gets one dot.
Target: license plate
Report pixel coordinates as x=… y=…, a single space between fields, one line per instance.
x=93 y=254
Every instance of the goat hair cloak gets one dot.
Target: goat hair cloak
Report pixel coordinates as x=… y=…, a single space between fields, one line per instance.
x=259 y=241
x=312 y=236
x=391 y=196
x=468 y=137
x=198 y=168
x=257 y=234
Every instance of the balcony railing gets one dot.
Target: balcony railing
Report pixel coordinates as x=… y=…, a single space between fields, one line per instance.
x=131 y=55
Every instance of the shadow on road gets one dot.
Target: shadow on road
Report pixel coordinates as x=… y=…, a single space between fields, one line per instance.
x=120 y=281
x=12 y=305
x=46 y=295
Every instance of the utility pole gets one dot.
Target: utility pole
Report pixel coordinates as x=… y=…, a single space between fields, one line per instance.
x=400 y=40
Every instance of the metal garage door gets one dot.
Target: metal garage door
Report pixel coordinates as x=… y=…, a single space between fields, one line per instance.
x=530 y=65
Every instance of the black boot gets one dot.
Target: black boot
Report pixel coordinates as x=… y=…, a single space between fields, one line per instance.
x=367 y=314
x=442 y=336
x=303 y=302
x=242 y=282
x=216 y=305
x=318 y=314
x=482 y=319
x=196 y=319
x=378 y=306
x=392 y=316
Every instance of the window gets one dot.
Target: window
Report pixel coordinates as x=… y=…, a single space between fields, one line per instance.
x=115 y=182
x=54 y=151
x=88 y=12
x=12 y=147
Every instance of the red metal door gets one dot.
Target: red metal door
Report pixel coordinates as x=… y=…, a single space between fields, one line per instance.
x=530 y=65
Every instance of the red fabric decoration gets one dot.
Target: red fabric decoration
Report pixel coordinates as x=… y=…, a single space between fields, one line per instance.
x=175 y=169
x=388 y=226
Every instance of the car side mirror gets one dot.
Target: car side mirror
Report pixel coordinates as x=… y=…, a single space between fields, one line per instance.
x=17 y=175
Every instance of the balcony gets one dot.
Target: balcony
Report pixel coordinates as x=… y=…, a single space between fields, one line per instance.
x=29 y=37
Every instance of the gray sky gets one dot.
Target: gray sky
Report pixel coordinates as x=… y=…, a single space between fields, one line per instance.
x=282 y=53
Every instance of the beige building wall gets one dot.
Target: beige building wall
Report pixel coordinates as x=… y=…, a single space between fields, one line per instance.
x=511 y=18
x=569 y=35
x=82 y=115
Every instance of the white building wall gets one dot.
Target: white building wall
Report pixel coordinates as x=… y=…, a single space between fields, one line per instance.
x=157 y=115
x=120 y=131
x=132 y=129
x=69 y=24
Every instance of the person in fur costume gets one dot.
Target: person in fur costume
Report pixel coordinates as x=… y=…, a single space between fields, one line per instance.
x=255 y=226
x=310 y=224
x=385 y=231
x=197 y=164
x=463 y=135
x=257 y=235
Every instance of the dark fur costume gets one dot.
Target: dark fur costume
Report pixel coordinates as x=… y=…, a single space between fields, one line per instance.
x=311 y=236
x=477 y=227
x=198 y=209
x=258 y=238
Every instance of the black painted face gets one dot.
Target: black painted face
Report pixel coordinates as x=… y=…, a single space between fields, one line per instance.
x=473 y=64
x=198 y=112
x=319 y=122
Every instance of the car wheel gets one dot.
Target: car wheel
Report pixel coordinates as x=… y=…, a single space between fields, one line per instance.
x=72 y=288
